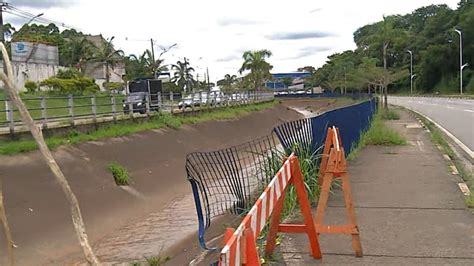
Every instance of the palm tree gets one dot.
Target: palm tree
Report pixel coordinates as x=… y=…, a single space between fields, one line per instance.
x=76 y=51
x=259 y=68
x=183 y=76
x=107 y=55
x=227 y=81
x=153 y=67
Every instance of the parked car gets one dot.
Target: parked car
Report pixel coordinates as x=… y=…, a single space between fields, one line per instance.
x=189 y=101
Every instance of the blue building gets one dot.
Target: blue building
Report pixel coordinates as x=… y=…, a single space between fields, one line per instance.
x=277 y=83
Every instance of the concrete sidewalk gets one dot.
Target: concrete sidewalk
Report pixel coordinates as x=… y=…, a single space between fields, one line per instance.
x=408 y=205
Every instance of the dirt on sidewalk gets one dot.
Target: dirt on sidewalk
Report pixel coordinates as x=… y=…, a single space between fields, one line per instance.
x=409 y=208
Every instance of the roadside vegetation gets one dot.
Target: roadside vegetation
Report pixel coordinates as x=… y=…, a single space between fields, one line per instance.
x=122 y=128
x=119 y=173
x=390 y=115
x=379 y=134
x=385 y=48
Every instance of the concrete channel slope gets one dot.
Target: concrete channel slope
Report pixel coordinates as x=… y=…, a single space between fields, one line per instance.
x=453 y=114
x=408 y=205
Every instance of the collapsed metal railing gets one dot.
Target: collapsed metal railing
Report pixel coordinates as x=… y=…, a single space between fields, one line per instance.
x=224 y=181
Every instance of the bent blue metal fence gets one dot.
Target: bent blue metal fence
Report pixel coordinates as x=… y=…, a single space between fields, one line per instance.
x=351 y=121
x=224 y=181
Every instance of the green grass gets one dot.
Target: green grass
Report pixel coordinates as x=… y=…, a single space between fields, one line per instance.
x=390 y=115
x=119 y=173
x=58 y=105
x=156 y=261
x=127 y=127
x=379 y=134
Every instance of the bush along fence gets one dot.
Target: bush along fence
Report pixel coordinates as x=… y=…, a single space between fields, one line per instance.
x=229 y=181
x=54 y=111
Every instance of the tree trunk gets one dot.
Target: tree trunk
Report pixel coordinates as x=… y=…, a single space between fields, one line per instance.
x=385 y=103
x=107 y=73
x=6 y=228
x=77 y=220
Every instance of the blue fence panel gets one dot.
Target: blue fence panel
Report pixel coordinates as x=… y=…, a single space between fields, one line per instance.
x=351 y=121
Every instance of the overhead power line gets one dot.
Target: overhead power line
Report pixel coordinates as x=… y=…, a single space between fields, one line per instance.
x=27 y=15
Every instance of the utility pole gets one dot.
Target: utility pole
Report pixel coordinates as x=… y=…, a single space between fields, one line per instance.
x=208 y=84
x=2 y=35
x=411 y=71
x=460 y=59
x=153 y=57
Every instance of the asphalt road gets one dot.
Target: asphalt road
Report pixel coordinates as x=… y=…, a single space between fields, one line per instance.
x=455 y=115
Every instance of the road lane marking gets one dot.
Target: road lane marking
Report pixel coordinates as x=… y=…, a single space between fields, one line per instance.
x=463 y=146
x=470 y=111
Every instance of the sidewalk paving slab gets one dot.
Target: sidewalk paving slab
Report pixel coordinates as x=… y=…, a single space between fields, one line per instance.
x=408 y=205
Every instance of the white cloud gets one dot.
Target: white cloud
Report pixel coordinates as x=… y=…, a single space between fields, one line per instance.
x=219 y=31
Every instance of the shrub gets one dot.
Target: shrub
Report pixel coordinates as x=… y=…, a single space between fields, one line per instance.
x=78 y=85
x=119 y=172
x=31 y=86
x=69 y=73
x=390 y=115
x=113 y=85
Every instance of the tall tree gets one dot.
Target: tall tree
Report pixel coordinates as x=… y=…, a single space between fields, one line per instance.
x=75 y=52
x=228 y=82
x=107 y=55
x=387 y=35
x=183 y=75
x=254 y=61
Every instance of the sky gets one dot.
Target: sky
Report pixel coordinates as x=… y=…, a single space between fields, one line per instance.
x=214 y=34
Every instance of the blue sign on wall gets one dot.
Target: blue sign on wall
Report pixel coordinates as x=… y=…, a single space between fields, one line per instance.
x=20 y=48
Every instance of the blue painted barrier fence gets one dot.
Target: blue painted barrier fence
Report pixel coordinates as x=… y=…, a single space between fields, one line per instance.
x=351 y=121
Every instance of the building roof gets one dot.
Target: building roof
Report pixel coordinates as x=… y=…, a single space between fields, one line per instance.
x=293 y=75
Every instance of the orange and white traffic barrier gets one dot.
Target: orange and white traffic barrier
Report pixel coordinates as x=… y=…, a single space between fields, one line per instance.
x=334 y=166
x=240 y=244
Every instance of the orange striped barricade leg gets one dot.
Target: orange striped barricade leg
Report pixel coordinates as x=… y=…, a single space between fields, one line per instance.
x=335 y=167
x=240 y=248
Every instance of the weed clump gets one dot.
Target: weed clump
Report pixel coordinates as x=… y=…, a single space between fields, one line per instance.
x=119 y=173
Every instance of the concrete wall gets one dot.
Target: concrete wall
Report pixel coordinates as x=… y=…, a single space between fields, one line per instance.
x=37 y=53
x=30 y=71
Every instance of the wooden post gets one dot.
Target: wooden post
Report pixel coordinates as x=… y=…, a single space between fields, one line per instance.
x=44 y=115
x=70 y=103
x=171 y=102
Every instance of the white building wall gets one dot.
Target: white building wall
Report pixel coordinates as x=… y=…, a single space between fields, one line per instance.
x=33 y=72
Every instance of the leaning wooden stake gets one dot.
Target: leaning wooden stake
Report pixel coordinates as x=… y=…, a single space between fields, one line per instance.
x=12 y=92
x=6 y=228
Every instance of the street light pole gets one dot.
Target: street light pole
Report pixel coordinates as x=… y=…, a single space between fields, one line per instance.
x=461 y=66
x=411 y=71
x=33 y=18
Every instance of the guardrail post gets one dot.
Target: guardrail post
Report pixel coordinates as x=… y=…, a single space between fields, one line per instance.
x=70 y=104
x=171 y=100
x=9 y=114
x=114 y=108
x=130 y=109
x=160 y=102
x=192 y=102
x=147 y=104
x=44 y=115
x=94 y=108
x=200 y=100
